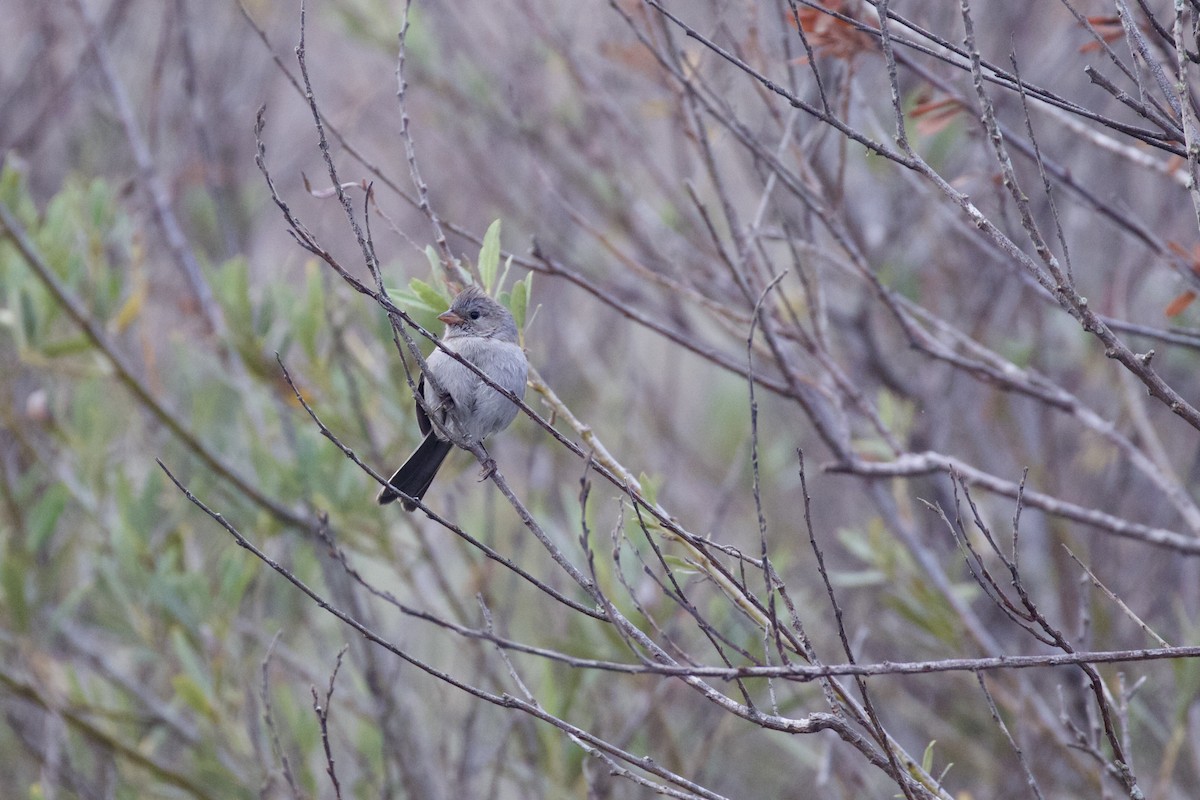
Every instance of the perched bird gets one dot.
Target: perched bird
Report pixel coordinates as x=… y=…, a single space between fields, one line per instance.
x=483 y=332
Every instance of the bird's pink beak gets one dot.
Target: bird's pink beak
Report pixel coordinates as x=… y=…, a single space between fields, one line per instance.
x=450 y=318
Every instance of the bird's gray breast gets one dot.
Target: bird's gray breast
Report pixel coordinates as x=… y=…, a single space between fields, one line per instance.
x=478 y=409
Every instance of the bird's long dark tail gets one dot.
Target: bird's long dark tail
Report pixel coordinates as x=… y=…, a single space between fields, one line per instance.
x=418 y=472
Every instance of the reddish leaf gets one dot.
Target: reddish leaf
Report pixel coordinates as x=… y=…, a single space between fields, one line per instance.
x=830 y=35
x=934 y=115
x=1180 y=303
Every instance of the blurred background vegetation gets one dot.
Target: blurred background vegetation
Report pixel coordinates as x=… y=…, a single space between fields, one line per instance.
x=148 y=281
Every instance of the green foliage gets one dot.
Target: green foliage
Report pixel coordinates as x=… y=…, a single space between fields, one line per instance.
x=84 y=237
x=370 y=21
x=912 y=595
x=897 y=415
x=424 y=300
x=105 y=551
x=133 y=630
x=108 y=550
x=489 y=256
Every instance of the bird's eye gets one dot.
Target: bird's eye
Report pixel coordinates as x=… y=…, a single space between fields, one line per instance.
x=474 y=315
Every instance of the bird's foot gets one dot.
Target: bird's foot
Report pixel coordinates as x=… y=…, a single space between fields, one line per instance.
x=489 y=467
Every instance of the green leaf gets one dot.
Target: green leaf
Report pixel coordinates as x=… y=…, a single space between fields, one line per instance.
x=489 y=256
x=927 y=757
x=504 y=274
x=28 y=316
x=308 y=323
x=192 y=663
x=147 y=513
x=680 y=565
x=435 y=263
x=232 y=286
x=43 y=518
x=235 y=573
x=897 y=413
x=12 y=579
x=369 y=745
x=858 y=543
x=427 y=297
x=520 y=301
x=414 y=305
x=650 y=487
x=192 y=695
x=67 y=347
x=265 y=316
x=856 y=579
x=461 y=274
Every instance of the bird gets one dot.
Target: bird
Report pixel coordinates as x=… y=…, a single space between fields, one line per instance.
x=483 y=332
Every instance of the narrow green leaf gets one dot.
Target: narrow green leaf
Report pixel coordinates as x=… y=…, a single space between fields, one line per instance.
x=13 y=573
x=856 y=579
x=435 y=263
x=489 y=256
x=191 y=662
x=650 y=486
x=28 y=316
x=192 y=695
x=680 y=565
x=413 y=304
x=308 y=323
x=927 y=757
x=265 y=316
x=67 y=347
x=430 y=298
x=520 y=301
x=461 y=274
x=43 y=518
x=504 y=274
x=235 y=573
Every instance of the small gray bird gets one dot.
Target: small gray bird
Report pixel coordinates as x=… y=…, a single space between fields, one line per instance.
x=483 y=332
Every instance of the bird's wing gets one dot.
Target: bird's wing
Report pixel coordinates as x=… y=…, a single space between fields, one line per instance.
x=422 y=418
